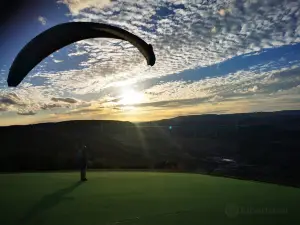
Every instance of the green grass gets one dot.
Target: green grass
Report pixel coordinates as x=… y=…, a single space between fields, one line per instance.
x=143 y=198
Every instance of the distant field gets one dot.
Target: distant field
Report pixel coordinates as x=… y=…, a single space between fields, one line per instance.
x=143 y=198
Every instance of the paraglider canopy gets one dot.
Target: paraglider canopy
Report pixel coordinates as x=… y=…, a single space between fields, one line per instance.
x=64 y=34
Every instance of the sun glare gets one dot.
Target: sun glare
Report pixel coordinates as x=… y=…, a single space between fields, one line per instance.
x=131 y=97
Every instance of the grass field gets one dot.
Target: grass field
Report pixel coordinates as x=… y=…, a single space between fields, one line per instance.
x=143 y=198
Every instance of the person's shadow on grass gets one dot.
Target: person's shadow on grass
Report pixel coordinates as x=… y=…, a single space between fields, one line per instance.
x=49 y=201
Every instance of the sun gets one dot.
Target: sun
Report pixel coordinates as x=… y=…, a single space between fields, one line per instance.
x=131 y=97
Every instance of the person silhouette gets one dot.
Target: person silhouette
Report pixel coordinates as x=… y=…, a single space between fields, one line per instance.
x=83 y=162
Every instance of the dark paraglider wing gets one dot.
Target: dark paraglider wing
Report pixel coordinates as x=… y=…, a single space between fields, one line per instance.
x=64 y=34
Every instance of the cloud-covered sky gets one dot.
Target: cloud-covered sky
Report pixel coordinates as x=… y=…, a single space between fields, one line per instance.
x=213 y=56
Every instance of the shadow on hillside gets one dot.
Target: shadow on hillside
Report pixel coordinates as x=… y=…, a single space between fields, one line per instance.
x=48 y=202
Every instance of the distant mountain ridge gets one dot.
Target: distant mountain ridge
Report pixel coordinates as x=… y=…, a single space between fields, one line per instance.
x=264 y=145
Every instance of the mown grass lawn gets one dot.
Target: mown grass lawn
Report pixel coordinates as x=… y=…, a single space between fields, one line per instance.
x=143 y=198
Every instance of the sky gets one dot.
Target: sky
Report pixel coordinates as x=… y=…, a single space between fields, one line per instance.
x=213 y=57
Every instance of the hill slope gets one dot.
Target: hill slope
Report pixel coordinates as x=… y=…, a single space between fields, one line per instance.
x=263 y=146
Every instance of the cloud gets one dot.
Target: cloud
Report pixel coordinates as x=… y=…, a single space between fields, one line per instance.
x=34 y=99
x=76 y=6
x=254 y=89
x=42 y=20
x=85 y=111
x=29 y=113
x=51 y=106
x=11 y=102
x=10 y=99
x=285 y=74
x=172 y=103
x=57 y=61
x=78 y=53
x=182 y=38
x=216 y=98
x=149 y=113
x=241 y=84
x=65 y=100
x=206 y=53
